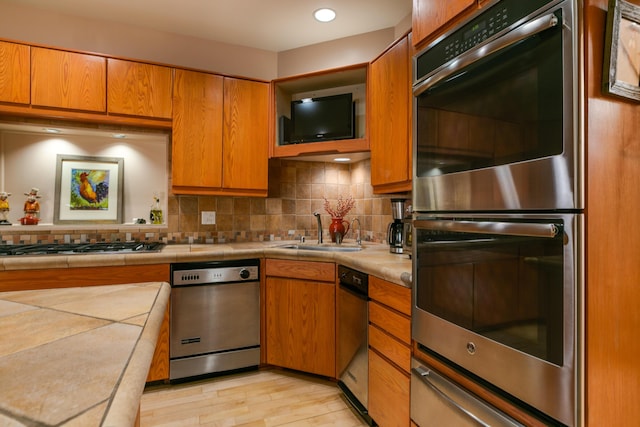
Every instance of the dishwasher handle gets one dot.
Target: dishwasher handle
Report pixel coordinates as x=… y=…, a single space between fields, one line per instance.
x=462 y=401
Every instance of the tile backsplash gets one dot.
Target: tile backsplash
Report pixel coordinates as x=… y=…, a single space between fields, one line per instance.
x=296 y=190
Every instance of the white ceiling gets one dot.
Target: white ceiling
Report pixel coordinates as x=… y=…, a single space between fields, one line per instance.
x=273 y=25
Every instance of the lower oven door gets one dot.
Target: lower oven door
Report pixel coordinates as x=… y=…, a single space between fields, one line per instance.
x=500 y=297
x=436 y=401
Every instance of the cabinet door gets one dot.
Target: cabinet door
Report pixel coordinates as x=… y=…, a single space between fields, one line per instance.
x=14 y=73
x=197 y=130
x=68 y=80
x=390 y=118
x=389 y=390
x=245 y=135
x=138 y=89
x=301 y=325
x=429 y=15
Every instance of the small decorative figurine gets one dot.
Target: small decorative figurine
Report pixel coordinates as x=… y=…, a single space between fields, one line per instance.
x=4 y=208
x=31 y=208
x=155 y=215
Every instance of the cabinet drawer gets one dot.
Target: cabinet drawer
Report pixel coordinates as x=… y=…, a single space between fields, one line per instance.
x=395 y=296
x=394 y=323
x=303 y=270
x=394 y=350
x=389 y=390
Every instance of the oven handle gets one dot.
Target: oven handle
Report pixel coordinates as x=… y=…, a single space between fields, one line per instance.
x=424 y=375
x=548 y=230
x=527 y=30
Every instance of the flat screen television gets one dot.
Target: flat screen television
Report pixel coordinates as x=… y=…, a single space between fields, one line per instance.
x=324 y=118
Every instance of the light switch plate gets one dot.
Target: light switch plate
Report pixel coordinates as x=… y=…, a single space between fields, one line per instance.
x=208 y=217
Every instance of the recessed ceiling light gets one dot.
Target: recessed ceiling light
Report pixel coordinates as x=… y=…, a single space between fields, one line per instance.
x=51 y=130
x=342 y=159
x=119 y=135
x=324 y=15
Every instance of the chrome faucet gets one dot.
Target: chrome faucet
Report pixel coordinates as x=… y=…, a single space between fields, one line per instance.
x=317 y=215
x=358 y=236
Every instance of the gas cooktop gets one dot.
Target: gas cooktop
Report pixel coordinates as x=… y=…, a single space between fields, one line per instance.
x=79 y=248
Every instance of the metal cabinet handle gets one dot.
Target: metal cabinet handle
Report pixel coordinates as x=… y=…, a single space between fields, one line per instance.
x=548 y=230
x=525 y=31
x=423 y=374
x=494 y=417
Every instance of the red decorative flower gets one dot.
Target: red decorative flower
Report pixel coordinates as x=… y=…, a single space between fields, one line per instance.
x=342 y=207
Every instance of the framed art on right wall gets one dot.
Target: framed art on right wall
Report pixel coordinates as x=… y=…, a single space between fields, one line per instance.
x=621 y=73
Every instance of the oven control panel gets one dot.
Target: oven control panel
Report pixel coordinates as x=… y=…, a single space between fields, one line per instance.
x=491 y=21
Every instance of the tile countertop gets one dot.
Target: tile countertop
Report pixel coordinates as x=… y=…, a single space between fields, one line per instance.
x=374 y=259
x=77 y=356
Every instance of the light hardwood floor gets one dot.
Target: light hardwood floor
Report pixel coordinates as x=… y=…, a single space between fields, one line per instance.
x=264 y=398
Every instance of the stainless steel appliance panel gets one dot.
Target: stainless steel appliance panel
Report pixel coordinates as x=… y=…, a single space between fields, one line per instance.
x=353 y=344
x=499 y=295
x=495 y=112
x=214 y=318
x=437 y=402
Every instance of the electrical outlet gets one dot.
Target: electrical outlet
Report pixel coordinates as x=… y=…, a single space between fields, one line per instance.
x=208 y=217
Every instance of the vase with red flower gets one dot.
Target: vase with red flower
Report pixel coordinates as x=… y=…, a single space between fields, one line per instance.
x=338 y=212
x=337 y=227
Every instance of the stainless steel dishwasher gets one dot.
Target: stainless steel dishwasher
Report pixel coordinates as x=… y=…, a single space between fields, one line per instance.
x=353 y=342
x=215 y=317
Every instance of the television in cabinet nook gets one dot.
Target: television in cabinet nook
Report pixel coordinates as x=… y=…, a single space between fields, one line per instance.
x=322 y=119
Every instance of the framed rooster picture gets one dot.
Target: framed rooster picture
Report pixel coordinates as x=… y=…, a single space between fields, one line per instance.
x=88 y=190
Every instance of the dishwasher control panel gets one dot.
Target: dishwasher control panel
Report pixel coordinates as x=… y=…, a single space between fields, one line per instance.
x=200 y=273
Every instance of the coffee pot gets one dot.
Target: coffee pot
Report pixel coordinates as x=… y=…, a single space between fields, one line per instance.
x=395 y=231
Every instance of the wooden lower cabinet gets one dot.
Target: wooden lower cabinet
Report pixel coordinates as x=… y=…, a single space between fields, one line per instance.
x=300 y=316
x=389 y=388
x=159 y=370
x=389 y=353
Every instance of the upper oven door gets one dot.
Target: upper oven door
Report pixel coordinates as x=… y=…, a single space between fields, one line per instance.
x=495 y=113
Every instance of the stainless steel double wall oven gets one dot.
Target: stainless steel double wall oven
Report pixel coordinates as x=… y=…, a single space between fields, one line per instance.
x=498 y=205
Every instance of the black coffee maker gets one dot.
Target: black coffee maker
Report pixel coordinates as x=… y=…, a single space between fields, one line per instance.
x=395 y=232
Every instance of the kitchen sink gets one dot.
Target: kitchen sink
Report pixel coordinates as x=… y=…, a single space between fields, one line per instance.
x=326 y=247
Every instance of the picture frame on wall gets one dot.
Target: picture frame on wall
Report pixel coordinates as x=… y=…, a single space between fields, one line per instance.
x=88 y=190
x=621 y=72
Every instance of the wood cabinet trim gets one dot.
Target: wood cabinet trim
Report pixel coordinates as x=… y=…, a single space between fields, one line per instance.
x=394 y=296
x=303 y=270
x=21 y=280
x=391 y=321
x=390 y=347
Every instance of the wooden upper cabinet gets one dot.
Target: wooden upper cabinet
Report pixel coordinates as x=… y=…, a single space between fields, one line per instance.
x=197 y=130
x=14 y=73
x=68 y=80
x=138 y=89
x=245 y=135
x=390 y=119
x=430 y=15
x=220 y=135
